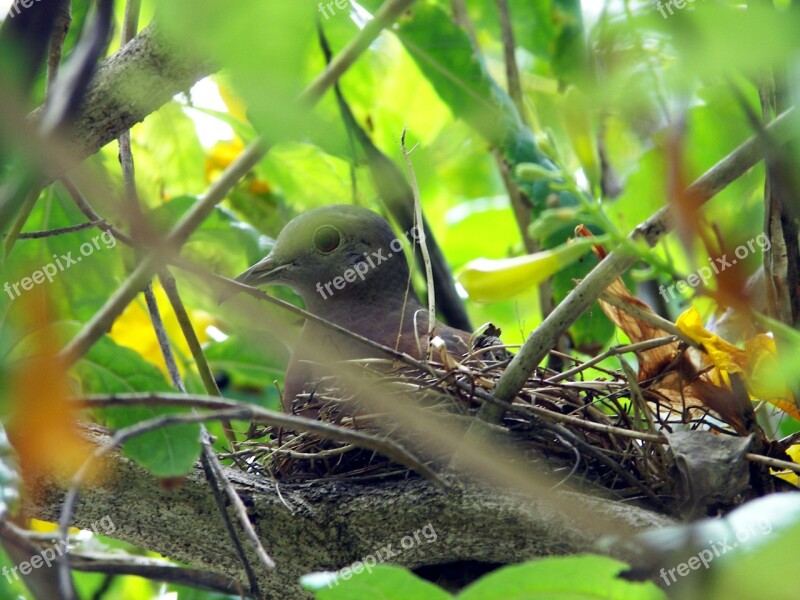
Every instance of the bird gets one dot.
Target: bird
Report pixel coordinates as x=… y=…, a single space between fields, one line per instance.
x=349 y=268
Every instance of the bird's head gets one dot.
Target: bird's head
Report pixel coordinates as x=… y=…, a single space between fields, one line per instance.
x=333 y=253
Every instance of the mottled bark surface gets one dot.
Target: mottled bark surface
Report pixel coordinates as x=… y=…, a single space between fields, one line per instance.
x=327 y=526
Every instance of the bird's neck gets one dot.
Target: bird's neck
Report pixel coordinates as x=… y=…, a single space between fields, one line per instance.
x=365 y=300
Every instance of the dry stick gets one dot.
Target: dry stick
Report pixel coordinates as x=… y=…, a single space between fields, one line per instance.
x=163 y=338
x=528 y=409
x=210 y=462
x=151 y=262
x=211 y=470
x=640 y=407
x=423 y=245
x=216 y=477
x=617 y=262
x=209 y=459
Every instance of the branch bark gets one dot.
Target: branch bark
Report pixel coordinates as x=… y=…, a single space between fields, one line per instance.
x=328 y=525
x=142 y=76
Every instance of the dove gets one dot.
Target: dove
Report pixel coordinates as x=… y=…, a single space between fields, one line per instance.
x=349 y=268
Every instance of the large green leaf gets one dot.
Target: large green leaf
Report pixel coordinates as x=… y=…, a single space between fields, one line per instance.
x=263 y=45
x=376 y=582
x=112 y=369
x=250 y=364
x=567 y=578
x=222 y=243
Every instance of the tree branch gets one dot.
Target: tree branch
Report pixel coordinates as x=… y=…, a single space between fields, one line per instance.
x=328 y=525
x=143 y=75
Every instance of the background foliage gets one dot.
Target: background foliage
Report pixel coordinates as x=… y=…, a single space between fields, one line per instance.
x=605 y=86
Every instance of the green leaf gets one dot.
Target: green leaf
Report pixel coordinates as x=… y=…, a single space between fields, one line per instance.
x=251 y=364
x=569 y=578
x=381 y=582
x=78 y=284
x=447 y=58
x=223 y=243
x=263 y=45
x=112 y=369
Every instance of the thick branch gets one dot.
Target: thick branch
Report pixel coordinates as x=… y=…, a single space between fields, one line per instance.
x=328 y=525
x=145 y=74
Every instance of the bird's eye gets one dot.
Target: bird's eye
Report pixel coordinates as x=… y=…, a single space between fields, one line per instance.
x=327 y=239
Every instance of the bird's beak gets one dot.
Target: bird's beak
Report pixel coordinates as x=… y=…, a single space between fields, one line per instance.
x=264 y=271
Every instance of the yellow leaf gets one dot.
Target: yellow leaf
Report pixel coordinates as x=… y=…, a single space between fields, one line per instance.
x=757 y=363
x=790 y=476
x=489 y=280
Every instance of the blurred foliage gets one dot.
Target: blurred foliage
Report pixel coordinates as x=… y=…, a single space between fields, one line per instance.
x=603 y=85
x=564 y=577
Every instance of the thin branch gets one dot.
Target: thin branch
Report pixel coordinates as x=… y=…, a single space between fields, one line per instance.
x=512 y=70
x=63 y=23
x=217 y=480
x=185 y=322
x=163 y=339
x=647 y=317
x=156 y=570
x=225 y=408
x=616 y=350
x=35 y=235
x=527 y=409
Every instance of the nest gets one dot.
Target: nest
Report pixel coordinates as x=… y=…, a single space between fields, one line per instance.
x=586 y=425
